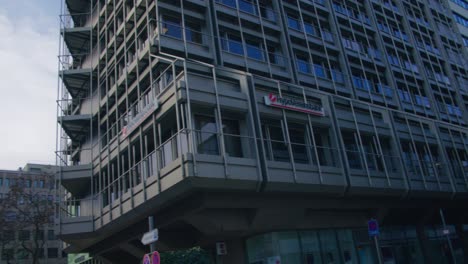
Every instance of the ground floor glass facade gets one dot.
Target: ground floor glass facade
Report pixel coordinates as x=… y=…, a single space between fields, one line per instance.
x=346 y=246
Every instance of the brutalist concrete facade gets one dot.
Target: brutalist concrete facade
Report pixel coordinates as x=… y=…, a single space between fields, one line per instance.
x=228 y=119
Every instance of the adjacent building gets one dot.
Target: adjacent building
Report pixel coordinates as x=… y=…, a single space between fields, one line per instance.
x=37 y=180
x=460 y=14
x=278 y=127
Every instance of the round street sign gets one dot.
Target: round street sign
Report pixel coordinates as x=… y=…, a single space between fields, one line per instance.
x=147 y=259
x=156 y=258
x=373 y=228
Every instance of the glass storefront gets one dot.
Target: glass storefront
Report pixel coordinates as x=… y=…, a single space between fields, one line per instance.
x=349 y=246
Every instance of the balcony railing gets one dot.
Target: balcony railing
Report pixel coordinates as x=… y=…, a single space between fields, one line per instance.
x=68 y=21
x=278 y=151
x=252 y=51
x=425 y=170
x=370 y=86
x=360 y=160
x=265 y=12
x=320 y=71
x=352 y=13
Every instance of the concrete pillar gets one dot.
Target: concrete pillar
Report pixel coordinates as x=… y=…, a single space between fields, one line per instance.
x=236 y=253
x=423 y=242
x=463 y=236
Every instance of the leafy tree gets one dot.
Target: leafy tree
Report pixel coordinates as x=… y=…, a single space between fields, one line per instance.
x=193 y=256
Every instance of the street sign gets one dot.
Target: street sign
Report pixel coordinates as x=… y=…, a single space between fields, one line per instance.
x=152 y=258
x=446 y=231
x=221 y=248
x=274 y=260
x=150 y=237
x=373 y=228
x=155 y=258
x=146 y=259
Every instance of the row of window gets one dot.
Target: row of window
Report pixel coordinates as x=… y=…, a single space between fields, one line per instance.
x=36 y=197
x=391 y=6
x=9 y=254
x=255 y=49
x=172 y=27
x=351 y=13
x=26 y=235
x=439 y=76
x=382 y=26
x=318 y=70
x=461 y=3
x=370 y=86
x=398 y=245
x=362 y=48
x=397 y=61
x=427 y=46
x=249 y=6
x=460 y=19
x=7 y=182
x=407 y=97
x=283 y=141
x=309 y=28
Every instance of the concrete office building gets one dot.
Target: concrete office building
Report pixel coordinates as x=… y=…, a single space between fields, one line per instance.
x=35 y=176
x=279 y=127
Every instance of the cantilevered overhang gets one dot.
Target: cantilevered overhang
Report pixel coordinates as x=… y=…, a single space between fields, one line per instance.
x=76 y=126
x=76 y=179
x=77 y=81
x=78 y=6
x=77 y=39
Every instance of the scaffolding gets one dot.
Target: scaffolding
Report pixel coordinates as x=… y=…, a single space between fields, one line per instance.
x=76 y=110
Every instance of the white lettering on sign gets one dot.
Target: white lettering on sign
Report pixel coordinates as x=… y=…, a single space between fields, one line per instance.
x=274 y=260
x=294 y=105
x=221 y=249
x=150 y=237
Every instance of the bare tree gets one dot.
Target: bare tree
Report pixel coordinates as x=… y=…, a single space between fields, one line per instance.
x=7 y=227
x=29 y=206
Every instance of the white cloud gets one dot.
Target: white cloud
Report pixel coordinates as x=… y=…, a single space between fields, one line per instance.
x=28 y=74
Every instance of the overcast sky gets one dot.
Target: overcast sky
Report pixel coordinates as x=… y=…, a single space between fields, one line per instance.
x=28 y=73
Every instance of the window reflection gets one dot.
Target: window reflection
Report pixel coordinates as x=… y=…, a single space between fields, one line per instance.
x=206 y=135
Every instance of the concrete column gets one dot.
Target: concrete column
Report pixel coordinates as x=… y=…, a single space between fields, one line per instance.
x=423 y=242
x=236 y=253
x=463 y=235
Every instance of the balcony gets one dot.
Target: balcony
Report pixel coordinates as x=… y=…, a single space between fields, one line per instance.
x=381 y=173
x=365 y=88
x=76 y=179
x=76 y=218
x=76 y=74
x=266 y=13
x=77 y=127
x=426 y=176
x=77 y=32
x=78 y=6
x=171 y=36
x=351 y=13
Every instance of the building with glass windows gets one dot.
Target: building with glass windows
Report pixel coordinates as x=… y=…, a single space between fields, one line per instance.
x=280 y=127
x=17 y=234
x=460 y=14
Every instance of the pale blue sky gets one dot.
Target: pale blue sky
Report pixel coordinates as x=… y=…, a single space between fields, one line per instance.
x=28 y=70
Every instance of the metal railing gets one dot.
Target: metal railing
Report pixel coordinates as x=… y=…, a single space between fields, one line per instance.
x=301 y=153
x=68 y=21
x=360 y=160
